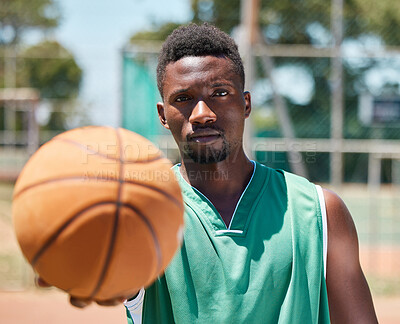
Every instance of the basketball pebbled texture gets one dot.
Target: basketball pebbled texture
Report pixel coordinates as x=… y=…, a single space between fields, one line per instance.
x=98 y=212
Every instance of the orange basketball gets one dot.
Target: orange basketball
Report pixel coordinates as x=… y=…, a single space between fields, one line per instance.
x=98 y=212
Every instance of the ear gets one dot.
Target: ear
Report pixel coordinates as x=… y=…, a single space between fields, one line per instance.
x=247 y=99
x=161 y=114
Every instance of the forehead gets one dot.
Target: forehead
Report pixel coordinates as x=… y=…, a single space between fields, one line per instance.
x=200 y=68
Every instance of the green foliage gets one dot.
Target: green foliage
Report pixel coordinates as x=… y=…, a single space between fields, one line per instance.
x=17 y=16
x=222 y=13
x=381 y=18
x=290 y=19
x=50 y=68
x=159 y=33
x=57 y=78
x=382 y=286
x=46 y=66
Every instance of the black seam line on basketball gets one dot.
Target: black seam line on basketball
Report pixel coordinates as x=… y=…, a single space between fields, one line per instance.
x=174 y=200
x=168 y=195
x=152 y=232
x=85 y=148
x=116 y=219
x=53 y=237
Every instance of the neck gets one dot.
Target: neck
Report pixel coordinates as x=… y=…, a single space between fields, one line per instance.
x=228 y=177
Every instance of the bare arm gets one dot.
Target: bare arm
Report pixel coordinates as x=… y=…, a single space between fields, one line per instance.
x=349 y=296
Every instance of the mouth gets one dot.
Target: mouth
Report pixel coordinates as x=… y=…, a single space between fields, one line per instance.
x=204 y=137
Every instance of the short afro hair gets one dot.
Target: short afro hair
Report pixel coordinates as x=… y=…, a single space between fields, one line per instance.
x=197 y=40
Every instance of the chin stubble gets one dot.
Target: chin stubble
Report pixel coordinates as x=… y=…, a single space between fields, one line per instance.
x=207 y=155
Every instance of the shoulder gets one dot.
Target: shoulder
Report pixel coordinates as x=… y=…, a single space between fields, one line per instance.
x=340 y=222
x=342 y=234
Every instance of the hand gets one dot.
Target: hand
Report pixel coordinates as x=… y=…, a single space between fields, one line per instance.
x=83 y=302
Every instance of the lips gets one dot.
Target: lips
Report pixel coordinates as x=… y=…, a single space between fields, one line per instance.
x=204 y=136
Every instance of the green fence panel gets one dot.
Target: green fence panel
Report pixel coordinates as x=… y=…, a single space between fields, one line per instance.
x=139 y=98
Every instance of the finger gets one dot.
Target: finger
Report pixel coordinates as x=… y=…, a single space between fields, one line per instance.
x=110 y=302
x=39 y=282
x=79 y=302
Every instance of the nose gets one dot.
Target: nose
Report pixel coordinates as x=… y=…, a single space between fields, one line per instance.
x=202 y=114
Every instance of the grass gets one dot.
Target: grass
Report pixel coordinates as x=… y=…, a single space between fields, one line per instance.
x=15 y=273
x=6 y=189
x=387 y=287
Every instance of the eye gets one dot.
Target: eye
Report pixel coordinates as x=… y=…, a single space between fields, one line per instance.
x=220 y=93
x=182 y=98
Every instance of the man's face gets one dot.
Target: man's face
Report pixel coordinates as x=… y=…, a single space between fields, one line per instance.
x=204 y=107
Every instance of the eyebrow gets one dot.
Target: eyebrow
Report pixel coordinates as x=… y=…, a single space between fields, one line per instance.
x=214 y=85
x=221 y=84
x=178 y=91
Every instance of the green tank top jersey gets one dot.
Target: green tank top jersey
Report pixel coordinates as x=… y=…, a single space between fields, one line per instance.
x=265 y=267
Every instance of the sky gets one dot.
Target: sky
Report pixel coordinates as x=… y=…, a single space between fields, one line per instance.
x=96 y=31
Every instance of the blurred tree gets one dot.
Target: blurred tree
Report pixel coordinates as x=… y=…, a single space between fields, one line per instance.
x=289 y=21
x=18 y=16
x=222 y=13
x=156 y=33
x=46 y=66
x=52 y=69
